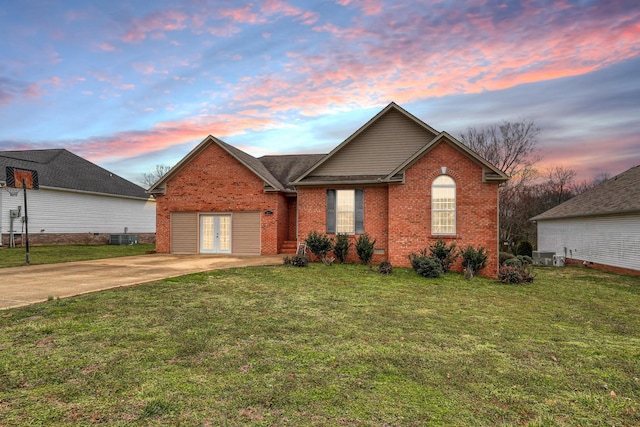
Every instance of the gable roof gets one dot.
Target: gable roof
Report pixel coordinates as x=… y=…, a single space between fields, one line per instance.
x=431 y=138
x=285 y=172
x=490 y=172
x=59 y=168
x=391 y=107
x=620 y=194
x=253 y=164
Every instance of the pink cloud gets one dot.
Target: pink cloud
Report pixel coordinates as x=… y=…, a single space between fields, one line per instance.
x=156 y=24
x=369 y=7
x=243 y=15
x=107 y=47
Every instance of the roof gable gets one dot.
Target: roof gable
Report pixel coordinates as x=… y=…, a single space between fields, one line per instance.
x=59 y=168
x=620 y=194
x=490 y=172
x=377 y=148
x=247 y=160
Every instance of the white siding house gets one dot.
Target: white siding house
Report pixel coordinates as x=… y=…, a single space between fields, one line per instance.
x=78 y=202
x=600 y=227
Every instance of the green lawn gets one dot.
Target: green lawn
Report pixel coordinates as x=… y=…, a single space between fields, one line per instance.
x=322 y=346
x=15 y=257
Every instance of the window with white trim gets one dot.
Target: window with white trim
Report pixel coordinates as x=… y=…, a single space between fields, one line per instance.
x=443 y=205
x=345 y=211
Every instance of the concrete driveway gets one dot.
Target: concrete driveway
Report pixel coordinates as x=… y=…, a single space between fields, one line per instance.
x=36 y=283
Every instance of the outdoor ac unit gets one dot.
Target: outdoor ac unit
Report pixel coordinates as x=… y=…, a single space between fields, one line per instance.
x=543 y=258
x=123 y=239
x=558 y=261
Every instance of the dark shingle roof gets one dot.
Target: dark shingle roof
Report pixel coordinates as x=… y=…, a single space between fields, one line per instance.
x=287 y=168
x=620 y=194
x=59 y=168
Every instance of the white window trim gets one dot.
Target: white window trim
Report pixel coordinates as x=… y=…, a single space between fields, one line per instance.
x=454 y=210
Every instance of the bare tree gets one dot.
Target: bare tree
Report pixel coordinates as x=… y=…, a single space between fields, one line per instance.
x=150 y=178
x=584 y=185
x=559 y=183
x=510 y=146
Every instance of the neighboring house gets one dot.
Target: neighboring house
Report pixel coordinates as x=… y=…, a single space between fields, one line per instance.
x=396 y=178
x=599 y=228
x=78 y=201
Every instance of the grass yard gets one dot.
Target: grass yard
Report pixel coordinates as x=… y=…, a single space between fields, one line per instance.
x=15 y=257
x=322 y=346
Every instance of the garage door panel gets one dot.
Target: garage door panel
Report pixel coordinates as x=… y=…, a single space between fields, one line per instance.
x=184 y=232
x=245 y=238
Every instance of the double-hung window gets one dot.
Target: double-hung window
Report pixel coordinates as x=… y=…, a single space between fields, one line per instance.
x=443 y=205
x=345 y=211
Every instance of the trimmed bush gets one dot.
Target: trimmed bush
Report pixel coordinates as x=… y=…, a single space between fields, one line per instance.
x=446 y=254
x=319 y=245
x=474 y=259
x=385 y=267
x=296 y=260
x=364 y=248
x=513 y=274
x=426 y=266
x=504 y=256
x=524 y=248
x=341 y=248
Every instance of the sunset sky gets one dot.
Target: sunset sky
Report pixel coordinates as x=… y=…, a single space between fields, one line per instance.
x=131 y=84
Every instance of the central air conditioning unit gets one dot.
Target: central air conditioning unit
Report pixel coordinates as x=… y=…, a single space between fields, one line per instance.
x=558 y=261
x=123 y=239
x=543 y=258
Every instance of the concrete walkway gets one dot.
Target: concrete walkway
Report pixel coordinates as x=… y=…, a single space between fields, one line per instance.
x=36 y=283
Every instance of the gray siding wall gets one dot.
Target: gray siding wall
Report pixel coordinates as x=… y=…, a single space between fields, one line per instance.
x=379 y=149
x=245 y=233
x=184 y=233
x=610 y=240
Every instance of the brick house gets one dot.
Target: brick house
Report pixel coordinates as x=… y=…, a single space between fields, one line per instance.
x=395 y=178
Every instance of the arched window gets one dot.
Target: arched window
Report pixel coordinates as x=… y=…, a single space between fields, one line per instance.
x=443 y=205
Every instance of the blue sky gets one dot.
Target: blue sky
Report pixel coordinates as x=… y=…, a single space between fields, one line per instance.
x=131 y=84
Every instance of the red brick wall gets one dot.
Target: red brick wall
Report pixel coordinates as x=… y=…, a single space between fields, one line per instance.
x=312 y=206
x=215 y=181
x=601 y=267
x=399 y=216
x=476 y=203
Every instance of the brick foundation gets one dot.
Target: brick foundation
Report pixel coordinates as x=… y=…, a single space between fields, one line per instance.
x=42 y=239
x=601 y=267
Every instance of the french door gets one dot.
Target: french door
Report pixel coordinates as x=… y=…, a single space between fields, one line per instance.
x=215 y=234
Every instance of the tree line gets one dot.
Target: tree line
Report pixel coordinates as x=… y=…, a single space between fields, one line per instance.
x=513 y=148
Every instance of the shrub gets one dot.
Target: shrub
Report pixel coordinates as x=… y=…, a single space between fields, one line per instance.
x=515 y=274
x=513 y=262
x=426 y=266
x=385 y=267
x=524 y=248
x=364 y=248
x=296 y=260
x=446 y=254
x=319 y=245
x=525 y=259
x=341 y=248
x=504 y=256
x=474 y=259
